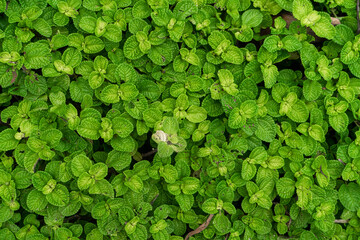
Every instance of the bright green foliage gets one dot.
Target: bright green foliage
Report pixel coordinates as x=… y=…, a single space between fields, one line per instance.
x=149 y=119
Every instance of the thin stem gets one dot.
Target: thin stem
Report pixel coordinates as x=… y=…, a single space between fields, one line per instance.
x=152 y=202
x=35 y=164
x=288 y=224
x=144 y=155
x=341 y=161
x=341 y=220
x=200 y=228
x=322 y=172
x=76 y=216
x=357 y=16
x=333 y=11
x=14 y=76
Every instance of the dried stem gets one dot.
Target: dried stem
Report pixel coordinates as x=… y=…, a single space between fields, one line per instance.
x=288 y=224
x=144 y=155
x=341 y=221
x=152 y=202
x=357 y=16
x=14 y=76
x=35 y=164
x=200 y=228
x=322 y=172
x=76 y=216
x=341 y=161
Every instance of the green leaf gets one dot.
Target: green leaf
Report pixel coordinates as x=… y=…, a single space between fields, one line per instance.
x=301 y=8
x=348 y=55
x=37 y=55
x=339 y=122
x=5 y=213
x=80 y=164
x=131 y=48
x=88 y=24
x=36 y=200
x=98 y=171
x=343 y=35
x=102 y=187
x=100 y=211
x=236 y=120
x=266 y=129
x=134 y=183
x=222 y=223
x=162 y=54
x=122 y=126
x=42 y=27
x=126 y=72
x=248 y=170
x=92 y=5
x=270 y=74
x=308 y=235
x=113 y=33
x=89 y=128
x=245 y=34
x=312 y=90
x=285 y=187
x=324 y=28
x=317 y=133
x=298 y=112
x=169 y=173
x=7 y=140
x=252 y=18
x=128 y=91
x=349 y=196
x=248 y=109
x=71 y=57
x=59 y=196
x=184 y=9
x=196 y=114
x=93 y=44
x=185 y=202
x=110 y=94
x=126 y=144
x=233 y=55
x=210 y=206
x=291 y=43
x=118 y=160
x=271 y=43
x=190 y=185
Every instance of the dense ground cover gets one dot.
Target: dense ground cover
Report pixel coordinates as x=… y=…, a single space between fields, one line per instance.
x=170 y=120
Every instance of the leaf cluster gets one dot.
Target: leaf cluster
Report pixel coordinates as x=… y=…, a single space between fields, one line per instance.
x=179 y=119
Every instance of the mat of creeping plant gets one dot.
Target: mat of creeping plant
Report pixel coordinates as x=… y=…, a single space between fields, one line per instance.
x=179 y=119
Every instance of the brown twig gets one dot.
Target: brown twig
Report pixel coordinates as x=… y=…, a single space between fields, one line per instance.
x=35 y=164
x=152 y=202
x=288 y=224
x=322 y=172
x=341 y=221
x=341 y=161
x=357 y=16
x=200 y=228
x=14 y=76
x=144 y=155
x=76 y=216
